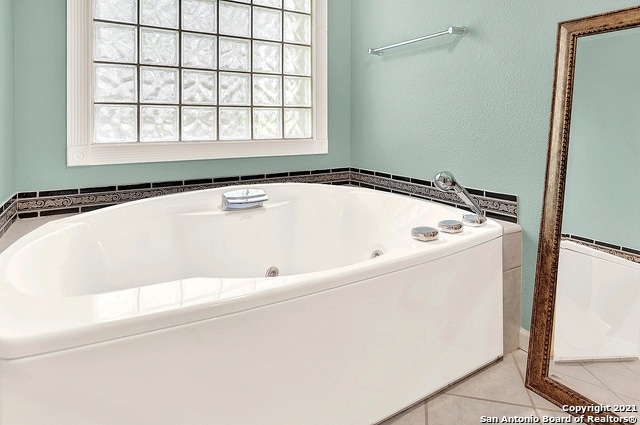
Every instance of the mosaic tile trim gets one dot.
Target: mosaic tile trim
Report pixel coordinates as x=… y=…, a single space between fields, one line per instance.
x=8 y=214
x=497 y=205
x=69 y=201
x=72 y=201
x=617 y=250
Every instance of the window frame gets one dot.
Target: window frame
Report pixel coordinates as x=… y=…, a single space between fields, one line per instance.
x=81 y=151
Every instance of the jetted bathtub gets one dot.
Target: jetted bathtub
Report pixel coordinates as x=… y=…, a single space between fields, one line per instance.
x=159 y=311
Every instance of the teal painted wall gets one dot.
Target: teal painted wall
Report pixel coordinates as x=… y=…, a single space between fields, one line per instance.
x=602 y=199
x=7 y=157
x=40 y=129
x=478 y=106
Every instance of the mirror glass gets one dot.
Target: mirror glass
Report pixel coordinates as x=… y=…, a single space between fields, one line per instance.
x=596 y=337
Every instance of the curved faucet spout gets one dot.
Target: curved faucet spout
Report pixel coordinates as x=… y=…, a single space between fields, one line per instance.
x=445 y=182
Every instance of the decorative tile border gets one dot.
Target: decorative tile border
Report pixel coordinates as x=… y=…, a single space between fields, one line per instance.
x=8 y=214
x=43 y=203
x=617 y=250
x=497 y=205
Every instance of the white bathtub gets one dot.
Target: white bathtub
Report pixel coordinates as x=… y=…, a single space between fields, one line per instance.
x=597 y=314
x=158 y=311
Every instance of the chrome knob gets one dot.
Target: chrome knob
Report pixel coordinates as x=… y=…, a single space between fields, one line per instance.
x=424 y=234
x=450 y=226
x=474 y=220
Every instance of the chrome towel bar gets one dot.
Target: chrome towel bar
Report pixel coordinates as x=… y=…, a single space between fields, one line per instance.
x=461 y=31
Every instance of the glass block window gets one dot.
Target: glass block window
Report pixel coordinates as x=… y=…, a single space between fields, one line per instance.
x=174 y=80
x=202 y=70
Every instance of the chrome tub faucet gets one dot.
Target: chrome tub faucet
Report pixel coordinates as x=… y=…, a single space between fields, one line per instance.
x=242 y=199
x=445 y=182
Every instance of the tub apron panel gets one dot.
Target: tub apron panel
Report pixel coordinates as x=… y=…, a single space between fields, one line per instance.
x=349 y=355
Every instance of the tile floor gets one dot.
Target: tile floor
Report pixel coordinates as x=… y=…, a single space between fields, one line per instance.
x=610 y=383
x=496 y=391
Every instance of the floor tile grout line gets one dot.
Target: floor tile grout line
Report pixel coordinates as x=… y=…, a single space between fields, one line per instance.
x=426 y=412
x=489 y=400
x=605 y=386
x=567 y=382
x=517 y=368
x=615 y=373
x=530 y=393
x=565 y=376
x=631 y=370
x=636 y=399
x=522 y=378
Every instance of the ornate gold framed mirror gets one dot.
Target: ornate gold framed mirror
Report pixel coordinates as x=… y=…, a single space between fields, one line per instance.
x=597 y=82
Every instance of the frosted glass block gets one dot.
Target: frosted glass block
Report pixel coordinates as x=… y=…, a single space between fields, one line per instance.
x=115 y=123
x=159 y=47
x=159 y=123
x=159 y=85
x=267 y=57
x=115 y=43
x=267 y=90
x=199 y=15
x=298 y=5
x=297 y=60
x=234 y=89
x=235 y=54
x=198 y=124
x=199 y=87
x=267 y=24
x=297 y=91
x=267 y=123
x=159 y=13
x=199 y=51
x=270 y=3
x=235 y=19
x=297 y=123
x=116 y=10
x=297 y=28
x=235 y=123
x=115 y=83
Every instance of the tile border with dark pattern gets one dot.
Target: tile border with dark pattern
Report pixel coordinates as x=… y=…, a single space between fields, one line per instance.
x=497 y=205
x=8 y=214
x=617 y=250
x=24 y=205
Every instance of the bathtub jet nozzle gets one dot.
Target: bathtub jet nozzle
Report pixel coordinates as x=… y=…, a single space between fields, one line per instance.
x=445 y=182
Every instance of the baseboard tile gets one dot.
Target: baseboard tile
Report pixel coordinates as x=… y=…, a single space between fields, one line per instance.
x=524 y=340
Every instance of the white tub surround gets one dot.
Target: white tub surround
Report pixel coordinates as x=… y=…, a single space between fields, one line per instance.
x=158 y=311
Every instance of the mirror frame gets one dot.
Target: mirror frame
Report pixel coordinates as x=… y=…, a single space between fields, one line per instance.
x=541 y=333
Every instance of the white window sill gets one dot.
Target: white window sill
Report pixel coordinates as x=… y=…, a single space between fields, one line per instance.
x=125 y=153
